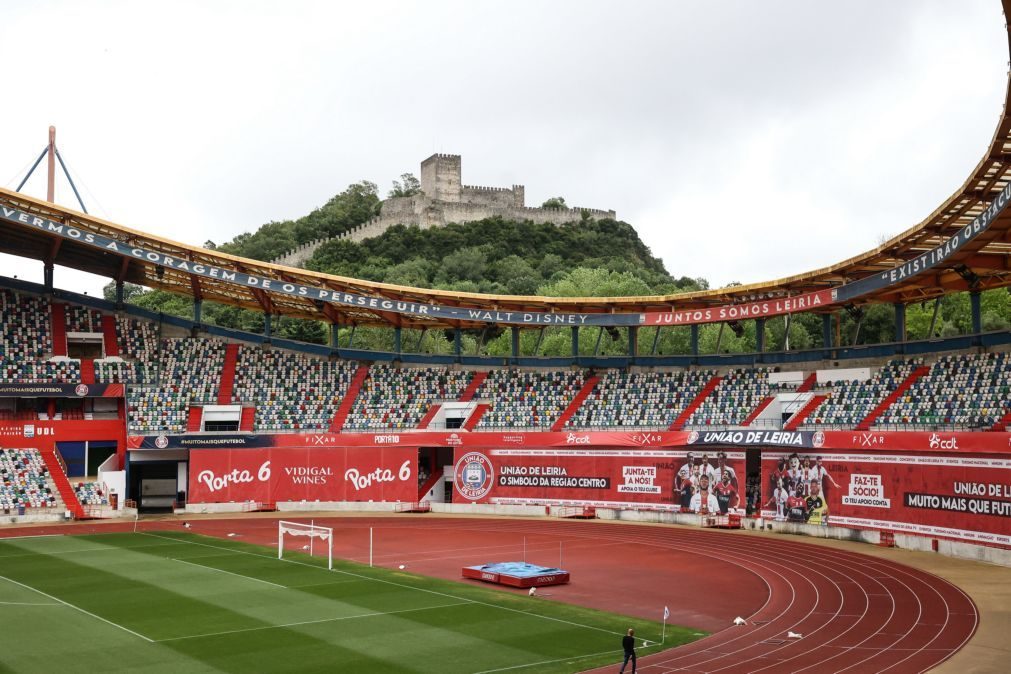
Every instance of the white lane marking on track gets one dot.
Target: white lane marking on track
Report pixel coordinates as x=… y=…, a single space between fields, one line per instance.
x=78 y=608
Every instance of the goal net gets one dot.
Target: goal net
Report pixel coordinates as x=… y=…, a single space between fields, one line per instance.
x=307 y=535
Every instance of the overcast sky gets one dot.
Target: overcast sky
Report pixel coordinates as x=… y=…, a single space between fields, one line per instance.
x=745 y=141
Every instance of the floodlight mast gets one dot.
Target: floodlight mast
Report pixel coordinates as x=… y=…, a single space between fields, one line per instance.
x=54 y=155
x=51 y=170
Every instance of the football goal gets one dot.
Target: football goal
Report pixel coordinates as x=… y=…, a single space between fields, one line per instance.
x=310 y=531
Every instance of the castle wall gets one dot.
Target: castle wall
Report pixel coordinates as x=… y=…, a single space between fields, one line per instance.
x=495 y=197
x=445 y=199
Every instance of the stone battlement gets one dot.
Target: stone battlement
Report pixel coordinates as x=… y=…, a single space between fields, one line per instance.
x=445 y=199
x=489 y=189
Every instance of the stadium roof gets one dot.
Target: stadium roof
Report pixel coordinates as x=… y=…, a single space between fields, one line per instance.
x=978 y=262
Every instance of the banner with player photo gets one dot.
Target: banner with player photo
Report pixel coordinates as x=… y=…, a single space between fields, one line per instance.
x=324 y=474
x=667 y=479
x=960 y=497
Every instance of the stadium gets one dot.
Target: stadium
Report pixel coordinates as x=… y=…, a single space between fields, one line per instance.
x=180 y=494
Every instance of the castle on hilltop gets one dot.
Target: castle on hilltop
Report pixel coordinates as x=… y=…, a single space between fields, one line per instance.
x=444 y=199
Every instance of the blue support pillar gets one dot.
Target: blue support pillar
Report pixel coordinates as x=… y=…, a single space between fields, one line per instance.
x=198 y=308
x=760 y=335
x=47 y=277
x=900 y=322
x=977 y=314
x=826 y=331
x=119 y=293
x=457 y=343
x=396 y=340
x=515 y=342
x=333 y=335
x=575 y=342
x=267 y=326
x=633 y=342
x=695 y=339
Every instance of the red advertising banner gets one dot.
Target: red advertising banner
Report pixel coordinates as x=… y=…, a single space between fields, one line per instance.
x=954 y=496
x=331 y=474
x=663 y=479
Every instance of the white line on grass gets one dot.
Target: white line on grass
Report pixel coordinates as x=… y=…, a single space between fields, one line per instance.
x=374 y=614
x=332 y=582
x=395 y=584
x=78 y=608
x=24 y=603
x=18 y=538
x=237 y=575
x=81 y=550
x=546 y=662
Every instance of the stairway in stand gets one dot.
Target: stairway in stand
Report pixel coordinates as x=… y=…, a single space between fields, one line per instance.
x=682 y=419
x=766 y=401
x=248 y=420
x=341 y=415
x=803 y=413
x=228 y=374
x=429 y=415
x=194 y=420
x=808 y=383
x=475 y=416
x=109 y=339
x=87 y=371
x=58 y=321
x=883 y=406
x=471 y=390
x=576 y=403
x=59 y=477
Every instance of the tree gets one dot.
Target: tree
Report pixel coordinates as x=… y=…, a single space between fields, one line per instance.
x=596 y=282
x=407 y=186
x=466 y=264
x=131 y=291
x=355 y=205
x=554 y=202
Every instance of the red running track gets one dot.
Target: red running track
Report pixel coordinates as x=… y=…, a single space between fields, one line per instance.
x=856 y=613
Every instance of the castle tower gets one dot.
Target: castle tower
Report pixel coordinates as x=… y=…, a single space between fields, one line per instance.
x=441 y=177
x=519 y=196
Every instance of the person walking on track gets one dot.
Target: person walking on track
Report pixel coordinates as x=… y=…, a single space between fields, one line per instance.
x=628 y=643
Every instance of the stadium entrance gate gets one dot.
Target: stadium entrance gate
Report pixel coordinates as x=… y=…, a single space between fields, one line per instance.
x=157 y=484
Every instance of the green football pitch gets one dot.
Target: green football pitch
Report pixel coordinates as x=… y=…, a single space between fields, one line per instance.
x=177 y=602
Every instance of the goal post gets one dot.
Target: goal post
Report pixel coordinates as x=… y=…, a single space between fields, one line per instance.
x=310 y=531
